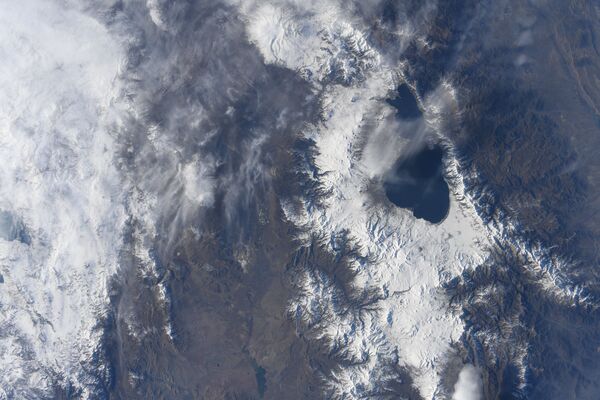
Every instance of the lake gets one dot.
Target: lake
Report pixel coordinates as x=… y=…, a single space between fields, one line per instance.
x=418 y=184
x=405 y=104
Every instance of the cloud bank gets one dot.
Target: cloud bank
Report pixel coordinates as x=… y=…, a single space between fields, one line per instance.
x=61 y=202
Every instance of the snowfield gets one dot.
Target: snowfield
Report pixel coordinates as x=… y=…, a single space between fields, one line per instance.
x=409 y=260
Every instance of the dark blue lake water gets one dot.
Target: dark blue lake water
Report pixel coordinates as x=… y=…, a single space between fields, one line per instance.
x=261 y=380
x=405 y=104
x=418 y=184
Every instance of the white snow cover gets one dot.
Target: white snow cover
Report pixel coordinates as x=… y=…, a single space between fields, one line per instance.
x=308 y=37
x=59 y=186
x=411 y=258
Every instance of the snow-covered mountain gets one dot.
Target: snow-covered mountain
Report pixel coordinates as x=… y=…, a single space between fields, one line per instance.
x=193 y=201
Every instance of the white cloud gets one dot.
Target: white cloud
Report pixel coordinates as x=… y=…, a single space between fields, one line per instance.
x=59 y=186
x=156 y=13
x=391 y=140
x=468 y=386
